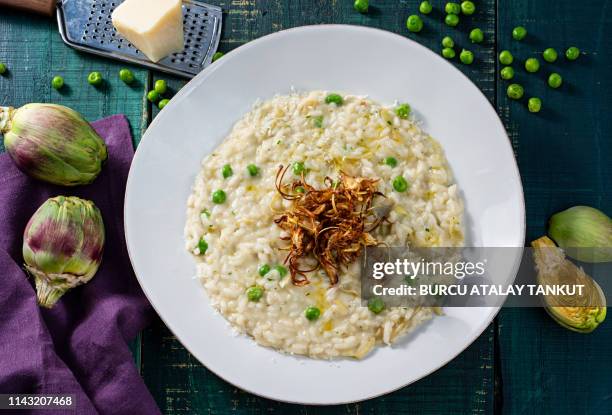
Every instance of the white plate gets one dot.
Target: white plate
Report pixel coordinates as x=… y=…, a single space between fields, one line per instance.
x=355 y=60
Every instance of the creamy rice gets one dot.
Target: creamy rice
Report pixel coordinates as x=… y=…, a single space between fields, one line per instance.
x=241 y=234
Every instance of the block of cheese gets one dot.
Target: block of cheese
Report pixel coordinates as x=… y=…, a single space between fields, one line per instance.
x=155 y=27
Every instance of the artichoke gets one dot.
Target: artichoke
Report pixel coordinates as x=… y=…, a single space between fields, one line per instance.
x=585 y=233
x=62 y=246
x=52 y=143
x=580 y=313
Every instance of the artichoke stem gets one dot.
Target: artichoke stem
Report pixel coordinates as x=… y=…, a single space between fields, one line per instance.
x=46 y=294
x=6 y=114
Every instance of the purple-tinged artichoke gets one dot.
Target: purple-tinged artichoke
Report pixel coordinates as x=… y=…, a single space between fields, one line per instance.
x=52 y=143
x=62 y=246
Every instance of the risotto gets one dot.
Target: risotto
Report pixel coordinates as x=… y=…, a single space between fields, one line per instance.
x=238 y=247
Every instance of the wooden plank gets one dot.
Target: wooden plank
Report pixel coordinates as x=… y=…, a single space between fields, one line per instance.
x=181 y=385
x=564 y=158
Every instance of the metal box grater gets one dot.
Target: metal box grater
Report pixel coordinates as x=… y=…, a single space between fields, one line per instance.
x=86 y=25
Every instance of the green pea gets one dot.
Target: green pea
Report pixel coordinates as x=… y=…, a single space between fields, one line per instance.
x=534 y=104
x=226 y=171
x=414 y=23
x=532 y=65
x=448 y=53
x=555 y=80
x=507 y=73
x=318 y=121
x=505 y=57
x=153 y=96
x=161 y=104
x=476 y=35
x=403 y=111
x=466 y=56
x=57 y=82
x=95 y=78
x=519 y=33
x=161 y=86
x=255 y=293
x=376 y=305
x=282 y=271
x=572 y=53
x=217 y=56
x=451 y=20
x=312 y=313
x=298 y=168
x=126 y=76
x=263 y=270
x=425 y=7
x=468 y=8
x=391 y=161
x=448 y=42
x=550 y=55
x=300 y=189
x=452 y=8
x=253 y=170
x=2 y=68
x=400 y=184
x=334 y=99
x=515 y=91
x=219 y=196
x=361 y=6
x=202 y=246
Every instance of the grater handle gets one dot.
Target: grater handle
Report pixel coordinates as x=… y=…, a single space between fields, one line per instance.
x=46 y=7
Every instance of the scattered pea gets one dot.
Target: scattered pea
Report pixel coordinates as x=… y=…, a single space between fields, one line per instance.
x=253 y=170
x=126 y=76
x=334 y=99
x=448 y=42
x=298 y=168
x=507 y=73
x=361 y=6
x=255 y=293
x=466 y=56
x=2 y=68
x=282 y=271
x=414 y=23
x=376 y=305
x=263 y=270
x=57 y=82
x=226 y=171
x=312 y=313
x=476 y=35
x=448 y=53
x=515 y=91
x=534 y=104
x=451 y=20
x=425 y=7
x=403 y=111
x=505 y=57
x=391 y=161
x=550 y=55
x=519 y=33
x=572 y=53
x=217 y=56
x=95 y=78
x=300 y=189
x=532 y=65
x=468 y=8
x=153 y=96
x=555 y=80
x=400 y=184
x=318 y=121
x=161 y=86
x=219 y=196
x=202 y=246
x=452 y=8
x=161 y=104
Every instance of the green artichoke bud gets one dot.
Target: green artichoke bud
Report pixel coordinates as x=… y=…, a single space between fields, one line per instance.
x=52 y=143
x=585 y=233
x=62 y=246
x=581 y=313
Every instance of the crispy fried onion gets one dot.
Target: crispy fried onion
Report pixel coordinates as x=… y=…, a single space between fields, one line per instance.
x=327 y=227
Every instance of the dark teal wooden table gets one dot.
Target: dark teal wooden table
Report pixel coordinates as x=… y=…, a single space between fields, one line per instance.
x=523 y=363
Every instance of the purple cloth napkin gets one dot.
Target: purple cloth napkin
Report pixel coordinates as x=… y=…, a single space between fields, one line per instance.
x=79 y=346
